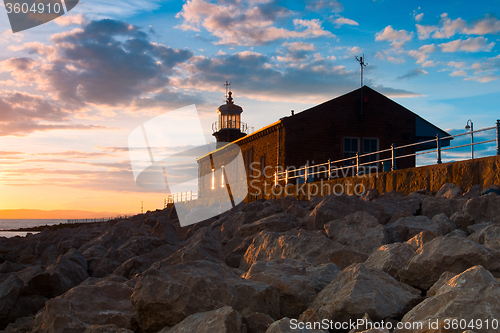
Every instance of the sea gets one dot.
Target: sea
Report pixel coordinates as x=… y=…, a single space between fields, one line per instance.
x=6 y=224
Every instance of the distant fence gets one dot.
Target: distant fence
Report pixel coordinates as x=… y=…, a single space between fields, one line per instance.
x=103 y=219
x=306 y=173
x=180 y=197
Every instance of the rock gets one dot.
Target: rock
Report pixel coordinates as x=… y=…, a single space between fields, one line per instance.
x=357 y=290
x=77 y=257
x=166 y=294
x=449 y=190
x=334 y=207
x=224 y=319
x=287 y=325
x=277 y=223
x=140 y=245
x=396 y=202
x=235 y=249
x=298 y=281
x=477 y=227
x=360 y=231
x=391 y=258
x=302 y=245
x=248 y=214
x=407 y=227
x=443 y=279
x=10 y=290
x=421 y=239
x=21 y=325
x=398 y=215
x=106 y=329
x=485 y=208
x=102 y=303
x=488 y=237
x=115 y=236
x=492 y=189
x=433 y=206
x=461 y=220
x=58 y=278
x=139 y=264
x=471 y=295
x=473 y=192
x=371 y=194
x=257 y=322
x=164 y=230
x=204 y=245
x=454 y=254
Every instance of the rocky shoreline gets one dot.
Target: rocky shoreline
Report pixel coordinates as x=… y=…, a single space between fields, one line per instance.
x=271 y=266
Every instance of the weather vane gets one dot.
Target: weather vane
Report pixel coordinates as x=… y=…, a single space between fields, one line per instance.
x=362 y=64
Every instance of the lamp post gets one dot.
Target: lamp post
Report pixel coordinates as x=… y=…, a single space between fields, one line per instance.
x=471 y=128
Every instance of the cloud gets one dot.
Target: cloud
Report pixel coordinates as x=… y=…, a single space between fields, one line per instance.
x=458 y=73
x=418 y=17
x=241 y=23
x=413 y=74
x=397 y=37
x=422 y=52
x=447 y=27
x=76 y=154
x=456 y=64
x=76 y=19
x=342 y=20
x=104 y=63
x=321 y=5
x=487 y=25
x=23 y=113
x=483 y=79
x=297 y=52
x=476 y=44
x=424 y=31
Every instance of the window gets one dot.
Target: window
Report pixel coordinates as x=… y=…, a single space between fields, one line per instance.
x=370 y=145
x=248 y=159
x=213 y=179
x=351 y=147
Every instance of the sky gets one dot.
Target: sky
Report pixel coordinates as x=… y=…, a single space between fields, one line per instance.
x=73 y=89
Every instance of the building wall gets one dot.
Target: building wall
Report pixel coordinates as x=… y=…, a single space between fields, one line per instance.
x=317 y=134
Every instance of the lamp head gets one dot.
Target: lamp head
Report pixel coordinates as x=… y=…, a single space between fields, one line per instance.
x=467 y=127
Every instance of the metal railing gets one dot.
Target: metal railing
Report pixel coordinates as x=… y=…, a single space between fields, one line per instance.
x=232 y=124
x=103 y=219
x=180 y=197
x=358 y=168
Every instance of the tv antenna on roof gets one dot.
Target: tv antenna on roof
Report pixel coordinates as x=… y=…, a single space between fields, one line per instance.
x=362 y=64
x=227 y=85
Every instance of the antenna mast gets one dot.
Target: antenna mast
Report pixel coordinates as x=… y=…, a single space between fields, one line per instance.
x=227 y=85
x=362 y=64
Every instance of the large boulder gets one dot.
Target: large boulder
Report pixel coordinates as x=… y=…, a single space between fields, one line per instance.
x=396 y=202
x=432 y=206
x=166 y=294
x=10 y=290
x=357 y=290
x=298 y=281
x=485 y=208
x=139 y=264
x=102 y=303
x=360 y=231
x=110 y=328
x=470 y=296
x=449 y=190
x=335 y=207
x=489 y=237
x=445 y=253
x=407 y=227
x=304 y=245
x=422 y=238
x=164 y=230
x=64 y=274
x=203 y=245
x=278 y=223
x=287 y=325
x=391 y=258
x=235 y=249
x=223 y=320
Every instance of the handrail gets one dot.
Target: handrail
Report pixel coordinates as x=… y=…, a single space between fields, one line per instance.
x=285 y=175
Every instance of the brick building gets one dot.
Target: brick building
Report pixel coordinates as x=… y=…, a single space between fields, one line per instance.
x=361 y=121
